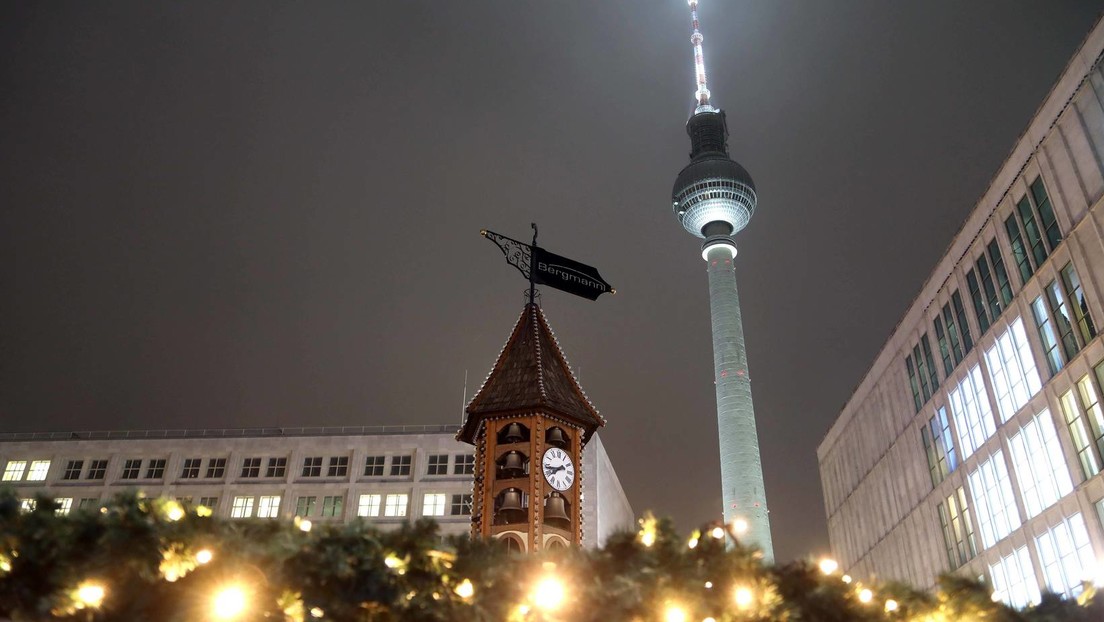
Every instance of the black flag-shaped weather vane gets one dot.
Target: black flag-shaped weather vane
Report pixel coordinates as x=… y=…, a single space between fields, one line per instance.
x=541 y=267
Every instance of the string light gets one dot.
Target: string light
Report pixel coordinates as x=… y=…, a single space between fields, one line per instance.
x=548 y=594
x=674 y=613
x=204 y=556
x=891 y=606
x=316 y=612
x=717 y=533
x=174 y=511
x=465 y=589
x=229 y=603
x=708 y=585
x=305 y=525
x=744 y=597
x=828 y=566
x=90 y=595
x=865 y=595
x=846 y=578
x=647 y=533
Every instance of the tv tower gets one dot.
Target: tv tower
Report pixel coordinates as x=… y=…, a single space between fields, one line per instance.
x=714 y=198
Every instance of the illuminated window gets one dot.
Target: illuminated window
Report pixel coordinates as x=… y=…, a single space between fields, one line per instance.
x=994 y=504
x=38 y=471
x=64 y=505
x=339 y=467
x=1066 y=554
x=277 y=467
x=938 y=446
x=156 y=469
x=1079 y=434
x=433 y=504
x=373 y=466
x=216 y=467
x=1012 y=370
x=464 y=465
x=304 y=506
x=312 y=467
x=461 y=505
x=251 y=467
x=191 y=468
x=438 y=465
x=1047 y=335
x=400 y=465
x=131 y=469
x=971 y=411
x=268 y=507
x=1040 y=466
x=27 y=505
x=97 y=470
x=958 y=528
x=1076 y=295
x=395 y=505
x=242 y=507
x=1014 y=580
x=369 y=505
x=73 y=469
x=333 y=506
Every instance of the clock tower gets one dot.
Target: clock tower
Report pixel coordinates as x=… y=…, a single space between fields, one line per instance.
x=529 y=423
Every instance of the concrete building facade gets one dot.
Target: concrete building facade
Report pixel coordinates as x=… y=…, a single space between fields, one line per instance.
x=387 y=475
x=975 y=443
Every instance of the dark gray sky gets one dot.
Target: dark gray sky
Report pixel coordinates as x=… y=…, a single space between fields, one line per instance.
x=239 y=214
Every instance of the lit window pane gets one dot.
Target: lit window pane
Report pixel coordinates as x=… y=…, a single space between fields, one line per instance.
x=242 y=507
x=1079 y=433
x=39 y=469
x=1066 y=555
x=369 y=505
x=1012 y=370
x=14 y=471
x=395 y=505
x=972 y=414
x=1014 y=580
x=268 y=507
x=65 y=505
x=433 y=505
x=1040 y=466
x=993 y=501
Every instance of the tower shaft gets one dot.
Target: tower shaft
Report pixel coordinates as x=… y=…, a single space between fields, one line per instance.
x=742 y=488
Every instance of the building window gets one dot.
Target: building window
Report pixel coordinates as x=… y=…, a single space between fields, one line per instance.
x=933 y=374
x=971 y=411
x=37 y=472
x=917 y=401
x=312 y=467
x=1004 y=285
x=922 y=373
x=304 y=506
x=464 y=464
x=73 y=469
x=242 y=507
x=1019 y=251
x=211 y=503
x=938 y=446
x=1076 y=295
x=944 y=347
x=369 y=505
x=64 y=506
x=339 y=467
x=1079 y=434
x=400 y=465
x=88 y=503
x=1047 y=335
x=978 y=300
x=395 y=505
x=191 y=468
x=1066 y=554
x=27 y=505
x=1012 y=370
x=251 y=467
x=268 y=507
x=958 y=528
x=97 y=470
x=1014 y=580
x=1091 y=400
x=1034 y=240
x=1062 y=319
x=216 y=468
x=461 y=505
x=433 y=504
x=1046 y=213
x=963 y=326
x=373 y=466
x=277 y=467
x=156 y=468
x=989 y=288
x=1040 y=466
x=438 y=465
x=131 y=469
x=993 y=501
x=333 y=506
x=952 y=334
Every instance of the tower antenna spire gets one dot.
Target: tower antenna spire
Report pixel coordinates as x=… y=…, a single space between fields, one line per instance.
x=702 y=94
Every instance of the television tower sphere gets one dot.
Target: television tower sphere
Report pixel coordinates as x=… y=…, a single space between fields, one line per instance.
x=713 y=195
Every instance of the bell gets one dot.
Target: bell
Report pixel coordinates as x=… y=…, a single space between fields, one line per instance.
x=512 y=465
x=510 y=510
x=555 y=509
x=513 y=433
x=557 y=438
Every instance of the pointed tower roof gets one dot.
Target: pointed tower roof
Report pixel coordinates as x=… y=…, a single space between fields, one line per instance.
x=531 y=374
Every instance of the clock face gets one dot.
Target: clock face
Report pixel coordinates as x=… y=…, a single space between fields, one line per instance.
x=558 y=469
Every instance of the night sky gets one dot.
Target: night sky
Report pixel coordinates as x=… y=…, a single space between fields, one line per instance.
x=236 y=214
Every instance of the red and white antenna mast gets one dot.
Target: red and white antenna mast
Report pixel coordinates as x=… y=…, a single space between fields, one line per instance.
x=702 y=94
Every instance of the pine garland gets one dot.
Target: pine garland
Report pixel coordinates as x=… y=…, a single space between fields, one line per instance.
x=139 y=559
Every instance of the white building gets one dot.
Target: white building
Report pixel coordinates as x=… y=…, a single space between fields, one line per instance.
x=386 y=475
x=975 y=442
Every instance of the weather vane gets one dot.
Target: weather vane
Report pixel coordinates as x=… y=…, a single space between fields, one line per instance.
x=541 y=267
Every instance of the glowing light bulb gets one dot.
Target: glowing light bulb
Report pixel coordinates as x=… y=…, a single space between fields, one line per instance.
x=174 y=513
x=316 y=612
x=549 y=594
x=465 y=589
x=91 y=594
x=717 y=533
x=865 y=595
x=828 y=566
x=846 y=578
x=708 y=585
x=204 y=556
x=674 y=613
x=891 y=606
x=305 y=525
x=229 y=603
x=744 y=597
x=739 y=526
